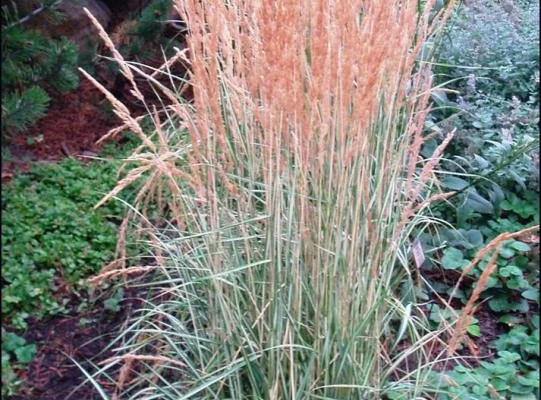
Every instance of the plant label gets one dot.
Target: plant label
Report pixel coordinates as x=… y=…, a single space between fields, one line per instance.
x=418 y=254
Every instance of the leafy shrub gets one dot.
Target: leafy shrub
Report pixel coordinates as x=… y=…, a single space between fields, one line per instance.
x=494 y=165
x=498 y=379
x=513 y=374
x=499 y=37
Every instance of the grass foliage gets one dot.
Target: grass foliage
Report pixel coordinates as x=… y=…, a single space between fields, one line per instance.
x=293 y=183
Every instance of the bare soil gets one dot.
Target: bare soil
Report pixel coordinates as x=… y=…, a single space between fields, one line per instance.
x=83 y=337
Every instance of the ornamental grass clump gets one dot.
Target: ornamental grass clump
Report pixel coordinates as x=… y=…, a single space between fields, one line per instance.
x=295 y=181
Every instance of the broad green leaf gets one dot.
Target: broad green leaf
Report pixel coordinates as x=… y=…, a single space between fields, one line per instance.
x=474 y=330
x=529 y=396
x=509 y=319
x=506 y=252
x=519 y=246
x=453 y=182
x=518 y=389
x=531 y=294
x=481 y=161
x=477 y=203
x=498 y=369
x=508 y=356
x=510 y=270
x=11 y=341
x=528 y=381
x=499 y=304
x=452 y=258
x=25 y=354
x=474 y=237
x=499 y=385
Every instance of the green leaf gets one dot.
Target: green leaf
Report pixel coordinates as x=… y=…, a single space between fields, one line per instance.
x=474 y=330
x=531 y=294
x=529 y=396
x=520 y=306
x=508 y=356
x=498 y=368
x=478 y=203
x=510 y=270
x=452 y=258
x=11 y=341
x=499 y=385
x=509 y=320
x=499 y=304
x=483 y=163
x=528 y=381
x=519 y=389
x=519 y=246
x=25 y=354
x=453 y=182
x=506 y=252
x=475 y=237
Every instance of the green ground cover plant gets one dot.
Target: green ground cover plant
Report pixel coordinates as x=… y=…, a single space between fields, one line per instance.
x=52 y=240
x=494 y=166
x=50 y=230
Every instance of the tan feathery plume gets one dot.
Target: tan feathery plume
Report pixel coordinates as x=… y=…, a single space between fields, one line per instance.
x=124 y=68
x=467 y=313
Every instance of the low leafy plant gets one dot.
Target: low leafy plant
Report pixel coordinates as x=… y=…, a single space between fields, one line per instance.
x=52 y=240
x=500 y=38
x=498 y=379
x=113 y=303
x=439 y=316
x=51 y=236
x=522 y=339
x=15 y=353
x=493 y=166
x=511 y=288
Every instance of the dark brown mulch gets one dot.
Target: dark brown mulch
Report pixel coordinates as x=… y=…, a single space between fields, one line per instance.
x=73 y=124
x=76 y=120
x=53 y=375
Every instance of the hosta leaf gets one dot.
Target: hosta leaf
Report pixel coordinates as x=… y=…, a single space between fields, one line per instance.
x=477 y=203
